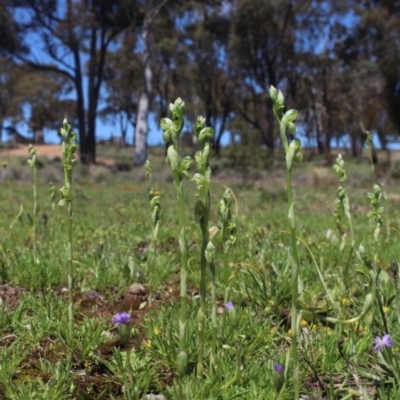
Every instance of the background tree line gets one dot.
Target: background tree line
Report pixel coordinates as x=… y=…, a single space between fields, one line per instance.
x=337 y=62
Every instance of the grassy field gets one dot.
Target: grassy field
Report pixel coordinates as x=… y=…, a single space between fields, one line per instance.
x=114 y=271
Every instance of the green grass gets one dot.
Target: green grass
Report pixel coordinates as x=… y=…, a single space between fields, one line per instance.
x=112 y=237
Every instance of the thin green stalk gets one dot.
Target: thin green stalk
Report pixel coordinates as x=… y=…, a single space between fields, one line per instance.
x=233 y=319
x=210 y=256
x=293 y=153
x=68 y=150
x=228 y=234
x=70 y=257
x=155 y=204
x=184 y=267
x=52 y=191
x=394 y=266
x=32 y=164
x=294 y=289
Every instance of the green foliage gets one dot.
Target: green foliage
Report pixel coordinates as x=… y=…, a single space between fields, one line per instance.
x=113 y=243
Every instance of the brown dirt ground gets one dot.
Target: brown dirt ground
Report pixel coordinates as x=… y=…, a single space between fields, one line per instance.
x=93 y=378
x=49 y=151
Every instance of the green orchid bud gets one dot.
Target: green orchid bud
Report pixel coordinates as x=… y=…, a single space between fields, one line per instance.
x=166 y=124
x=210 y=252
x=298 y=157
x=173 y=158
x=199 y=125
x=178 y=106
x=291 y=127
x=290 y=116
x=232 y=232
x=178 y=121
x=280 y=99
x=227 y=197
x=185 y=164
x=205 y=135
x=155 y=201
x=199 y=179
x=273 y=94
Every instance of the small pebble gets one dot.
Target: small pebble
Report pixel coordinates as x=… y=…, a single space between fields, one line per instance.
x=137 y=289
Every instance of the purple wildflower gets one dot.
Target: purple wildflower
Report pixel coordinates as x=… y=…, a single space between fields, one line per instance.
x=229 y=306
x=123 y=318
x=380 y=344
x=279 y=368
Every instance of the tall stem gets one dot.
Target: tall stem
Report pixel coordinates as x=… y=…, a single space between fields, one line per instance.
x=295 y=277
x=34 y=219
x=292 y=154
x=210 y=257
x=68 y=150
x=184 y=265
x=69 y=267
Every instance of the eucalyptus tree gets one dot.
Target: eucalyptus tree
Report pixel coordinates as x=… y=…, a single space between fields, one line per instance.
x=372 y=42
x=11 y=34
x=208 y=35
x=44 y=96
x=10 y=108
x=74 y=37
x=151 y=11
x=260 y=53
x=377 y=36
x=123 y=84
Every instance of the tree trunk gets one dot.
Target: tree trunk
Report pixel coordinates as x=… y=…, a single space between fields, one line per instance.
x=38 y=136
x=141 y=128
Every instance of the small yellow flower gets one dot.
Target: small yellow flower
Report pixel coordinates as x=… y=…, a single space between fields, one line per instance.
x=4 y=164
x=156 y=193
x=303 y=323
x=345 y=301
x=156 y=330
x=386 y=309
x=289 y=332
x=314 y=327
x=148 y=344
x=271 y=302
x=267 y=310
x=272 y=330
